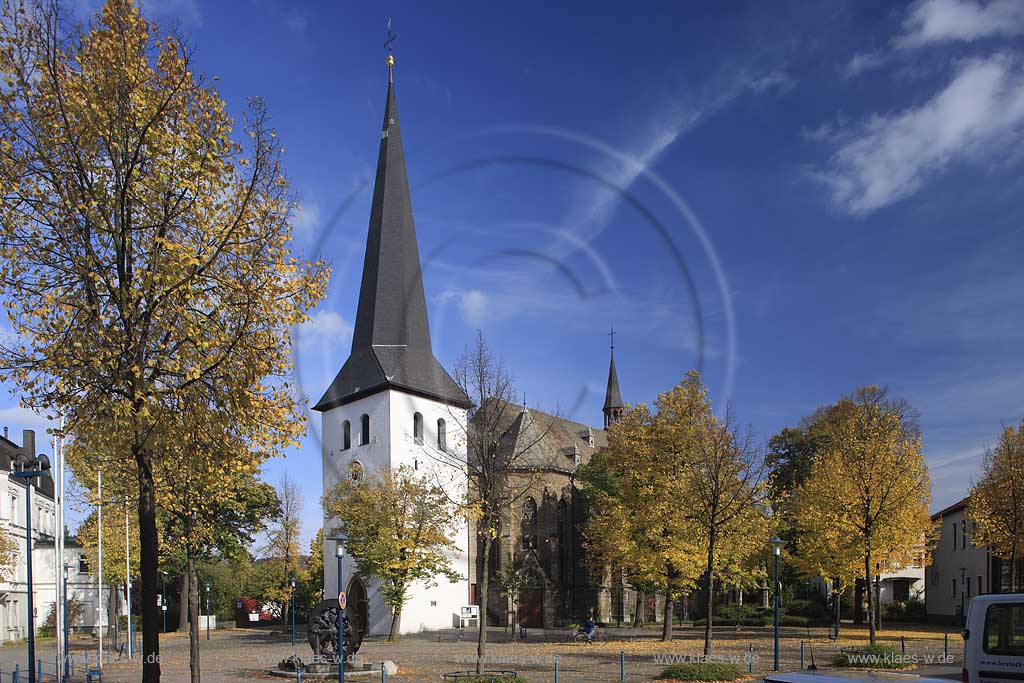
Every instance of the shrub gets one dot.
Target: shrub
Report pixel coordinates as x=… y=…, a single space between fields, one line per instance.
x=75 y=611
x=870 y=657
x=705 y=671
x=474 y=678
x=911 y=610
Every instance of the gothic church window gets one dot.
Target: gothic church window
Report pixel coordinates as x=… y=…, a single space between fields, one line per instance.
x=346 y=435
x=529 y=524
x=417 y=429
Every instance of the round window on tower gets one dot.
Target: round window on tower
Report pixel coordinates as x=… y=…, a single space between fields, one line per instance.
x=356 y=471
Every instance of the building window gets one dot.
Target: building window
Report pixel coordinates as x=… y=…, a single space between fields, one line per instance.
x=364 y=430
x=346 y=435
x=981 y=586
x=356 y=471
x=954 y=535
x=83 y=564
x=963 y=534
x=442 y=436
x=529 y=524
x=417 y=429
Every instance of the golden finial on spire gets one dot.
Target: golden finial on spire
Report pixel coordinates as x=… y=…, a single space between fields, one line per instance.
x=391 y=58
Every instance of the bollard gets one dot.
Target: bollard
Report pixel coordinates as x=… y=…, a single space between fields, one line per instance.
x=622 y=666
x=903 y=644
x=39 y=669
x=750 y=658
x=945 y=647
x=801 y=655
x=17 y=674
x=383 y=673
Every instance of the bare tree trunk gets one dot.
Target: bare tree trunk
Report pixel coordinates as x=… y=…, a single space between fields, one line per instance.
x=482 y=586
x=666 y=629
x=638 y=611
x=708 y=627
x=871 y=601
x=193 y=630
x=1013 y=570
x=149 y=557
x=183 y=593
x=396 y=625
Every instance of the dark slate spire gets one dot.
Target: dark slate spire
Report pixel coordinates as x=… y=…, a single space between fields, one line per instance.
x=391 y=339
x=613 y=397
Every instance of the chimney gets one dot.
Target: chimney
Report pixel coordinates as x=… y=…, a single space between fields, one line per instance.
x=28 y=442
x=5 y=431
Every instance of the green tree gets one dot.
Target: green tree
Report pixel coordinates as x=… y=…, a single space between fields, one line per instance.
x=399 y=528
x=146 y=252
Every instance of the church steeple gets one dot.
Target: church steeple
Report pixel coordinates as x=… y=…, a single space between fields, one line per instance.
x=613 y=405
x=391 y=339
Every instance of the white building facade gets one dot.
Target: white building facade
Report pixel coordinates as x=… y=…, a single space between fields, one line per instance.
x=392 y=404
x=46 y=567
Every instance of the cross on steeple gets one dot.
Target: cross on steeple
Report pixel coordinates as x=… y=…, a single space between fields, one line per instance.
x=612 y=335
x=388 y=46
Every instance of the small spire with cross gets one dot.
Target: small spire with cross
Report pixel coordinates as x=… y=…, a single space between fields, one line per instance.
x=612 y=335
x=388 y=45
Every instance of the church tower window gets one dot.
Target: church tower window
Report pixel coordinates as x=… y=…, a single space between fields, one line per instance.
x=346 y=435
x=364 y=430
x=442 y=436
x=417 y=429
x=356 y=471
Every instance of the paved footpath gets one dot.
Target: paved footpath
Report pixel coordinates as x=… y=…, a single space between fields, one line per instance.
x=248 y=654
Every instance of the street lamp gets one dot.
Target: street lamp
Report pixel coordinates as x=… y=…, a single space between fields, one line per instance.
x=293 y=611
x=67 y=648
x=207 y=610
x=339 y=552
x=163 y=599
x=28 y=468
x=963 y=579
x=777 y=551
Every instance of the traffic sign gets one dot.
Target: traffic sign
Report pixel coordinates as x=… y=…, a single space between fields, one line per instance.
x=342 y=600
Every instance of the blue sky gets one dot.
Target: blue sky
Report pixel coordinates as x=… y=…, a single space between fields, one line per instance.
x=798 y=198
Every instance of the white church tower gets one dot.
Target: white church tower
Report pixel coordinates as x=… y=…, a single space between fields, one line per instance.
x=392 y=403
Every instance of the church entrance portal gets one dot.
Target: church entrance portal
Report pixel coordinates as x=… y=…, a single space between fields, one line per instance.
x=359 y=604
x=531 y=608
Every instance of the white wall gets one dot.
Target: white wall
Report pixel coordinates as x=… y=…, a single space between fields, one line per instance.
x=392 y=445
x=943 y=578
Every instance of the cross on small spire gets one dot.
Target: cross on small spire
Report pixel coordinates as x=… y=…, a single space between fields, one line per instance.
x=391 y=38
x=612 y=335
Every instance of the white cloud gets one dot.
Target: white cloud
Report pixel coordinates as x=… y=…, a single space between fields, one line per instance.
x=888 y=158
x=296 y=22
x=933 y=21
x=474 y=305
x=306 y=222
x=327 y=327
x=17 y=419
x=865 y=61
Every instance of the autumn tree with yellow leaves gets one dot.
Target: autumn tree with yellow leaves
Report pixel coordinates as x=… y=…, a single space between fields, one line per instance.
x=399 y=528
x=676 y=497
x=864 y=508
x=146 y=252
x=997 y=501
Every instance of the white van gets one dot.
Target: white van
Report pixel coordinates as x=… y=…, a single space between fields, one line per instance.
x=994 y=639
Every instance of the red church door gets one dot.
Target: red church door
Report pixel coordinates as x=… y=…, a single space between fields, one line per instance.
x=531 y=608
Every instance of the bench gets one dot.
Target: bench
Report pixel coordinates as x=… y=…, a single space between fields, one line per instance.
x=93 y=675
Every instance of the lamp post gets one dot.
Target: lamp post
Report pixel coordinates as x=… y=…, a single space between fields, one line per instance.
x=293 y=611
x=67 y=648
x=963 y=580
x=207 y=610
x=163 y=599
x=339 y=552
x=28 y=468
x=777 y=551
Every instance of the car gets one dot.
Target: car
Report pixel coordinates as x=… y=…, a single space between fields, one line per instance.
x=994 y=639
x=847 y=677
